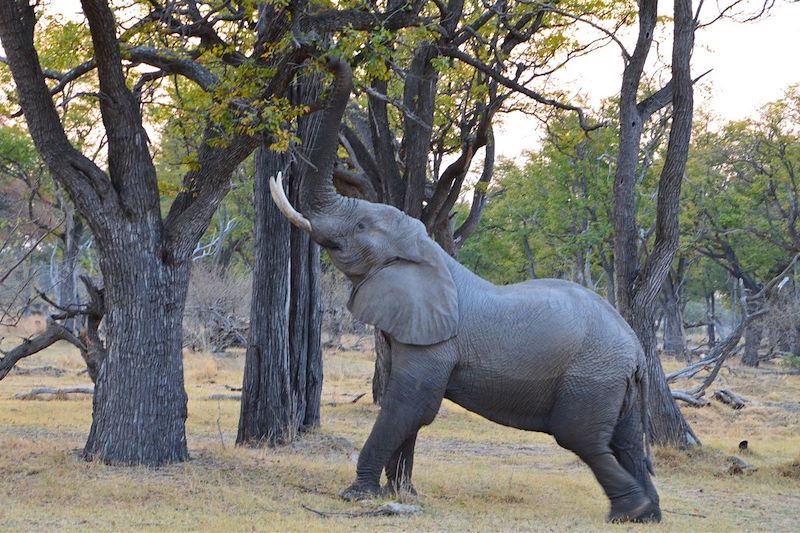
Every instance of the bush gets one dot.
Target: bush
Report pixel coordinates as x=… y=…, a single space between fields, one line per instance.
x=336 y=318
x=217 y=310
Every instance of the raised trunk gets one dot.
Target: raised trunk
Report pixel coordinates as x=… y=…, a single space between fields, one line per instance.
x=317 y=192
x=139 y=407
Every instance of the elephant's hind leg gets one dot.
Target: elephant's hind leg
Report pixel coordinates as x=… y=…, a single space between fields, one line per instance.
x=626 y=443
x=583 y=421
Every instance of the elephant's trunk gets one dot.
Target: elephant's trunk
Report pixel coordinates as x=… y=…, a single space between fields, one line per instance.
x=317 y=191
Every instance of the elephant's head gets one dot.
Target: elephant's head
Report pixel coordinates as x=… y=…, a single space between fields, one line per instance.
x=401 y=282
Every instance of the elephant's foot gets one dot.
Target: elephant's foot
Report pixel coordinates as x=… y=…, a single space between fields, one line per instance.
x=634 y=509
x=360 y=491
x=399 y=489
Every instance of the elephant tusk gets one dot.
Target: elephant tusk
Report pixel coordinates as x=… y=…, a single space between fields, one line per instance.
x=285 y=207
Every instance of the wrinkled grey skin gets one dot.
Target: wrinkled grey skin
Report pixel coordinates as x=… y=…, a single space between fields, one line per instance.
x=545 y=355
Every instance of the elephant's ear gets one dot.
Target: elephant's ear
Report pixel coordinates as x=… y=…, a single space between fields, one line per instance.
x=414 y=300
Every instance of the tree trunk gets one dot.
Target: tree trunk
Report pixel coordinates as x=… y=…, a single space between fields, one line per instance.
x=611 y=291
x=314 y=373
x=282 y=389
x=530 y=263
x=305 y=320
x=752 y=342
x=638 y=285
x=666 y=426
x=67 y=274
x=383 y=366
x=674 y=334
x=711 y=318
x=267 y=409
x=139 y=407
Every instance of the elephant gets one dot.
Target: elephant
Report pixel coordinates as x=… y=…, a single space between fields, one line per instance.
x=545 y=355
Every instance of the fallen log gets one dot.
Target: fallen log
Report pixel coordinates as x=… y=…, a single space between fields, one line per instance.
x=690 y=399
x=40 y=391
x=730 y=398
x=217 y=397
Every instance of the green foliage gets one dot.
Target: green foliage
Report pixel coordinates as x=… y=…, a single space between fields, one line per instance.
x=792 y=361
x=741 y=186
x=553 y=213
x=16 y=147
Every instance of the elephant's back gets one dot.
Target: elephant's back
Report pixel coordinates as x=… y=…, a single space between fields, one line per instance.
x=550 y=323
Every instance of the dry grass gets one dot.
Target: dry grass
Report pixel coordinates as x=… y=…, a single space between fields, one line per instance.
x=472 y=475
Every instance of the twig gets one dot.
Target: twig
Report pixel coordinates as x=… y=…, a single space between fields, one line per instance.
x=685 y=514
x=28 y=252
x=354 y=400
x=387 y=509
x=348 y=514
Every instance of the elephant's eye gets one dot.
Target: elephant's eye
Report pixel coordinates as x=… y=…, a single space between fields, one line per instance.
x=360 y=226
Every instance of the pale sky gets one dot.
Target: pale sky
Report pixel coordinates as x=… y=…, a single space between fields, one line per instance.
x=753 y=63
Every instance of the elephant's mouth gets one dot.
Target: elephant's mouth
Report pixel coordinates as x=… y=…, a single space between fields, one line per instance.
x=330 y=245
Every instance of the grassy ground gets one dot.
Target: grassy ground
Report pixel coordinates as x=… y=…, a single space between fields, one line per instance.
x=472 y=475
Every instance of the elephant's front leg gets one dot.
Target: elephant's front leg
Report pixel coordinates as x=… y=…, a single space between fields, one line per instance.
x=413 y=396
x=399 y=467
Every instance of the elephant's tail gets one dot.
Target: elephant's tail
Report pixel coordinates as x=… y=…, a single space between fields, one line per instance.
x=643 y=380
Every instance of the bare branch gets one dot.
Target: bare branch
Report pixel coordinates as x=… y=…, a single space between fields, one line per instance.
x=173 y=63
x=28 y=252
x=511 y=84
x=399 y=105
x=551 y=8
x=53 y=333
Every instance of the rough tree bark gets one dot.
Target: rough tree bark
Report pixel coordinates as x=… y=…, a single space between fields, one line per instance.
x=638 y=285
x=674 y=334
x=711 y=318
x=142 y=375
x=67 y=273
x=267 y=408
x=305 y=319
x=752 y=343
x=139 y=405
x=282 y=387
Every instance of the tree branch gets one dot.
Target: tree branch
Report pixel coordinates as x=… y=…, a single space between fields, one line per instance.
x=53 y=333
x=511 y=84
x=173 y=63
x=470 y=224
x=87 y=185
x=127 y=140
